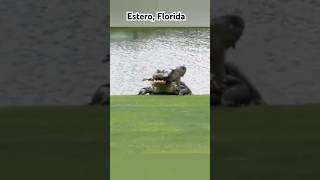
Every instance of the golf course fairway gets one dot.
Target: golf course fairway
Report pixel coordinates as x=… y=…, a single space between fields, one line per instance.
x=160 y=137
x=154 y=139
x=53 y=143
x=266 y=142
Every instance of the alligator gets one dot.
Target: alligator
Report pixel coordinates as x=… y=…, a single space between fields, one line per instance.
x=167 y=83
x=238 y=90
x=101 y=96
x=229 y=87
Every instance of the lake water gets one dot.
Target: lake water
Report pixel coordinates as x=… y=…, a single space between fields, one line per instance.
x=51 y=51
x=136 y=53
x=280 y=48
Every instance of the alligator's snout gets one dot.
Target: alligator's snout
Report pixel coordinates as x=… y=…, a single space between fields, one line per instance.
x=159 y=81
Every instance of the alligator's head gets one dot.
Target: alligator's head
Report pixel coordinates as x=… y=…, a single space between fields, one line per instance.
x=227 y=30
x=160 y=77
x=166 y=82
x=176 y=74
x=166 y=77
x=180 y=70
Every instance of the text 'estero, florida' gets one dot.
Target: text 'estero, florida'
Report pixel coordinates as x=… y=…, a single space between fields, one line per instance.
x=159 y=16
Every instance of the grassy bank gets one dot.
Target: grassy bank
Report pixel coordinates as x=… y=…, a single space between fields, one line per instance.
x=53 y=143
x=160 y=137
x=267 y=143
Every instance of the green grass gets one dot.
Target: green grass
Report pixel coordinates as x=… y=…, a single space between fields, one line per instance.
x=160 y=137
x=268 y=142
x=53 y=143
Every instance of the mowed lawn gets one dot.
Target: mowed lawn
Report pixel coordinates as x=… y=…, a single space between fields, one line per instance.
x=50 y=143
x=267 y=142
x=160 y=137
